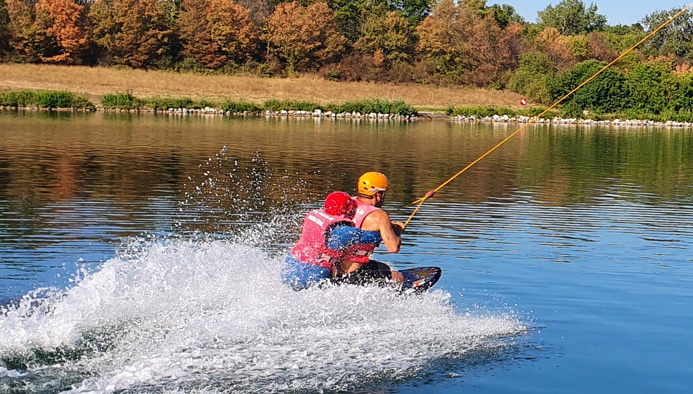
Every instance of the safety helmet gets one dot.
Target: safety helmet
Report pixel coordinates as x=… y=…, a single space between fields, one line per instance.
x=371 y=183
x=340 y=203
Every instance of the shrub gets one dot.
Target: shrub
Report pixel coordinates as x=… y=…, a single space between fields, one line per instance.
x=120 y=101
x=238 y=107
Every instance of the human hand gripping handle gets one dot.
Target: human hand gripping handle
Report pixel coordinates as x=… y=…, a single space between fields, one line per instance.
x=398 y=228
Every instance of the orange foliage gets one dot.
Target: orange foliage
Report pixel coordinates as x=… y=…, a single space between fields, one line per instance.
x=551 y=42
x=683 y=68
x=466 y=43
x=25 y=38
x=301 y=35
x=66 y=22
x=131 y=32
x=600 y=47
x=216 y=32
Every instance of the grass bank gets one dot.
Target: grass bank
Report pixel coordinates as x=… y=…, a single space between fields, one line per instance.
x=93 y=83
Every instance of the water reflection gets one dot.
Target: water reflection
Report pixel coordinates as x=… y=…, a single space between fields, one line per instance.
x=582 y=232
x=84 y=181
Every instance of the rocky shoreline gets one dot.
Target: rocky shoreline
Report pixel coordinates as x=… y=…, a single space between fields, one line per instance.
x=438 y=116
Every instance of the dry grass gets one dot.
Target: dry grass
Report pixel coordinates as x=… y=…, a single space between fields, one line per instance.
x=94 y=82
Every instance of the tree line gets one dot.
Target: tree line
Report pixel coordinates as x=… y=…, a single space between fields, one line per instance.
x=440 y=42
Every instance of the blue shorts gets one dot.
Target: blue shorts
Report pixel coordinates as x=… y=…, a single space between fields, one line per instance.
x=301 y=275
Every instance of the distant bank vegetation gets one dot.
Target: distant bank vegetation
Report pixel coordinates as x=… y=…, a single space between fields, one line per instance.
x=441 y=43
x=55 y=100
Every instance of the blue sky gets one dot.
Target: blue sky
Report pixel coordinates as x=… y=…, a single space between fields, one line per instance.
x=624 y=12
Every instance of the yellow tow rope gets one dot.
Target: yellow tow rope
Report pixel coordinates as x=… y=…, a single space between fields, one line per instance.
x=430 y=193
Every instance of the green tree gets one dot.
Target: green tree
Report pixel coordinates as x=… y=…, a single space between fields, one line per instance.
x=389 y=39
x=676 y=38
x=504 y=14
x=352 y=15
x=651 y=87
x=413 y=10
x=604 y=94
x=348 y=14
x=532 y=77
x=621 y=37
x=134 y=33
x=571 y=17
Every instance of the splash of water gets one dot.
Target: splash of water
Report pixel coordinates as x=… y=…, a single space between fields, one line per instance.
x=214 y=315
x=202 y=312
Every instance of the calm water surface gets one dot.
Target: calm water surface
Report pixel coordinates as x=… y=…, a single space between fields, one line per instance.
x=141 y=254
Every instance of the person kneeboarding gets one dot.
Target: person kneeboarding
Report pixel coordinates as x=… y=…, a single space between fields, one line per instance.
x=371 y=188
x=327 y=239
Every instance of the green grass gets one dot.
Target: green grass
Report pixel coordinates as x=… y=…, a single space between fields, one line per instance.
x=46 y=99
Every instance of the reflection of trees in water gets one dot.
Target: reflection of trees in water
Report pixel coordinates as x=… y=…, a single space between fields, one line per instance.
x=235 y=189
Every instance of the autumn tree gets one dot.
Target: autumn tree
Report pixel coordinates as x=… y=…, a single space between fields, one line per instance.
x=65 y=25
x=134 y=33
x=389 y=39
x=600 y=48
x=215 y=32
x=4 y=30
x=304 y=38
x=438 y=40
x=27 y=39
x=465 y=44
x=532 y=77
x=557 y=46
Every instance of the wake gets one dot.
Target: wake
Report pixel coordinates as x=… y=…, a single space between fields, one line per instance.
x=212 y=315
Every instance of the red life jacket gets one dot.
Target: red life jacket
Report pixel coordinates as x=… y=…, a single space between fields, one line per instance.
x=311 y=247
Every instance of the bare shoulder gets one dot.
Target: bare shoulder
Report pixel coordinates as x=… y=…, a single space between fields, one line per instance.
x=375 y=220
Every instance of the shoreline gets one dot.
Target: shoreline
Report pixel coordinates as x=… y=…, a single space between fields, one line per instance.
x=422 y=116
x=431 y=103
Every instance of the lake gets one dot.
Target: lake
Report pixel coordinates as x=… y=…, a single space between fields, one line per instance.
x=141 y=253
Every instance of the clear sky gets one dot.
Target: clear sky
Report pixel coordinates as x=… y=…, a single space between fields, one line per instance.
x=617 y=12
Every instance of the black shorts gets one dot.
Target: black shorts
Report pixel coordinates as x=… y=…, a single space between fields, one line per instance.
x=373 y=272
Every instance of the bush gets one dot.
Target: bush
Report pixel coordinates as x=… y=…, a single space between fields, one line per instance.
x=55 y=99
x=239 y=107
x=16 y=99
x=290 y=105
x=48 y=99
x=120 y=101
x=606 y=93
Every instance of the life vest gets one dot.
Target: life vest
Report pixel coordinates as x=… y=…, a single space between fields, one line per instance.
x=311 y=247
x=363 y=210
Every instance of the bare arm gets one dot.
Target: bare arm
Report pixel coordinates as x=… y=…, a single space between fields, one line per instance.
x=380 y=221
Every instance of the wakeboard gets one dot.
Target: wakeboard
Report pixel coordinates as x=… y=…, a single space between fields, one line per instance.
x=418 y=280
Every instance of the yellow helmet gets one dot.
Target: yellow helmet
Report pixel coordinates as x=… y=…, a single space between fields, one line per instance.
x=371 y=183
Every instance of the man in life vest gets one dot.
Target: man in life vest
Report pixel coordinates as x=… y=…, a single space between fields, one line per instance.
x=327 y=239
x=371 y=189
